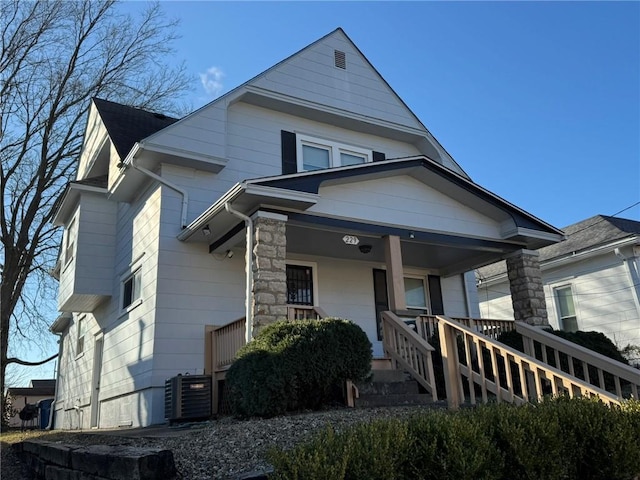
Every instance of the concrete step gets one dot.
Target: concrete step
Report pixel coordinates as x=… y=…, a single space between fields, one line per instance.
x=393 y=400
x=389 y=388
x=389 y=376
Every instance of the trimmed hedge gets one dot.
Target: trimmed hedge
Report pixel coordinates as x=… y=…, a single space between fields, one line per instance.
x=559 y=438
x=297 y=365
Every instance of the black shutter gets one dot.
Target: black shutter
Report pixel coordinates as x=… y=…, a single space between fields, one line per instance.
x=380 y=297
x=379 y=157
x=435 y=295
x=289 y=157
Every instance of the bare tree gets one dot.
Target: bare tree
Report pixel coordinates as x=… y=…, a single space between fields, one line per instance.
x=56 y=56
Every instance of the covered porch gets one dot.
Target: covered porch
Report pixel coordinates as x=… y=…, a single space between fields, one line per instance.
x=398 y=236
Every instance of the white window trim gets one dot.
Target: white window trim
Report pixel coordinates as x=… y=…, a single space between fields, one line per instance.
x=124 y=279
x=427 y=299
x=334 y=148
x=314 y=277
x=82 y=318
x=70 y=243
x=554 y=291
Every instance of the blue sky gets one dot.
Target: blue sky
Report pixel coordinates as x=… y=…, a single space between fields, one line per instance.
x=538 y=101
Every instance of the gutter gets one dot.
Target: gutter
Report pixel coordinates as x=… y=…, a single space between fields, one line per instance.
x=130 y=160
x=249 y=266
x=568 y=258
x=214 y=209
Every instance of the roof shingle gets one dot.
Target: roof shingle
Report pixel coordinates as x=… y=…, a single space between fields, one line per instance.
x=128 y=125
x=589 y=233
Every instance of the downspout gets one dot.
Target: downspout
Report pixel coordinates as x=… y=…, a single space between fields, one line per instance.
x=249 y=265
x=55 y=393
x=158 y=178
x=632 y=275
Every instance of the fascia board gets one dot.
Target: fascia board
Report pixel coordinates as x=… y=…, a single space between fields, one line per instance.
x=70 y=200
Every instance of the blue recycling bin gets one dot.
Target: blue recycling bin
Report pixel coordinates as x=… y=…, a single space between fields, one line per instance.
x=45 y=408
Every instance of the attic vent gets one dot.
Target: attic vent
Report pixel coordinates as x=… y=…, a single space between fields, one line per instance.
x=340 y=59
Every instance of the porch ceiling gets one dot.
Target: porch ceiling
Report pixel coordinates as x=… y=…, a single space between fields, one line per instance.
x=446 y=254
x=418 y=253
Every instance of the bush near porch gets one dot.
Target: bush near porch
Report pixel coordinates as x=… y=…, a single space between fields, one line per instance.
x=297 y=365
x=558 y=438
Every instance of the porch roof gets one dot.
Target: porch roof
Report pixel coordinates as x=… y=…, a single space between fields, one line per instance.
x=298 y=192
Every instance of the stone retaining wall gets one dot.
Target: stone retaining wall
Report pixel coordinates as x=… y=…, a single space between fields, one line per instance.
x=57 y=461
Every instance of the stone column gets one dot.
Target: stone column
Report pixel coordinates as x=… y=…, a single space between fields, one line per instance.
x=269 y=289
x=527 y=292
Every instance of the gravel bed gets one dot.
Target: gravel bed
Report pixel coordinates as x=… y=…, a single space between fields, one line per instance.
x=225 y=448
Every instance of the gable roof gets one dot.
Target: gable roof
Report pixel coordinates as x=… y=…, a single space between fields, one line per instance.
x=390 y=114
x=127 y=125
x=584 y=235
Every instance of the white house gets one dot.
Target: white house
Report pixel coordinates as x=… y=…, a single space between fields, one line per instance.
x=591 y=280
x=349 y=204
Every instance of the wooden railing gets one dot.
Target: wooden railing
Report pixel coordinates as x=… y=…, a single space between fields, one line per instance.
x=427 y=326
x=592 y=367
x=409 y=351
x=225 y=343
x=301 y=312
x=487 y=366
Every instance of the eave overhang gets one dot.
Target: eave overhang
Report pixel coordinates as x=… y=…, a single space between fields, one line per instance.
x=246 y=197
x=150 y=156
x=61 y=323
x=70 y=199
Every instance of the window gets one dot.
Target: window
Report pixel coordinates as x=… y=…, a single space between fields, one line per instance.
x=80 y=342
x=70 y=241
x=414 y=293
x=566 y=309
x=316 y=154
x=131 y=288
x=299 y=285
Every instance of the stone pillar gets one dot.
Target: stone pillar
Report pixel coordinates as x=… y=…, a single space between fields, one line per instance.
x=527 y=292
x=269 y=289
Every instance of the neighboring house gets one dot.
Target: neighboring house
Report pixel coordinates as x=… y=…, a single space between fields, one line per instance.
x=21 y=396
x=347 y=201
x=591 y=280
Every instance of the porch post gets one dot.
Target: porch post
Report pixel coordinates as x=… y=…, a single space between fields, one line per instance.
x=527 y=292
x=269 y=285
x=395 y=274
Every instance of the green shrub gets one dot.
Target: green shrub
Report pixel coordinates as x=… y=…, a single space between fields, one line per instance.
x=559 y=438
x=294 y=365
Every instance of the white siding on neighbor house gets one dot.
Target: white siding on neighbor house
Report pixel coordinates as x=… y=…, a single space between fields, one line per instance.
x=403 y=200
x=602 y=296
x=312 y=75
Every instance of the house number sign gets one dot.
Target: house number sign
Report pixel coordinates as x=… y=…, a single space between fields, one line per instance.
x=351 y=240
